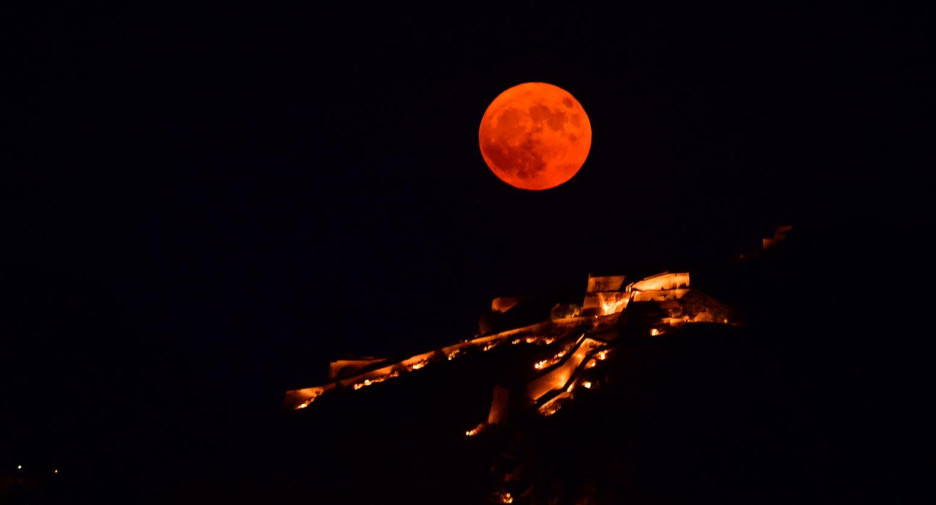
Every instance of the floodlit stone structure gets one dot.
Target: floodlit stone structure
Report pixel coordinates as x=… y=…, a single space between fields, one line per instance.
x=502 y=304
x=659 y=287
x=597 y=284
x=603 y=295
x=577 y=342
x=568 y=360
x=661 y=282
x=559 y=376
x=346 y=367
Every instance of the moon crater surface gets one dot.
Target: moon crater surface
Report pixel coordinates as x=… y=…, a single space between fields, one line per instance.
x=535 y=136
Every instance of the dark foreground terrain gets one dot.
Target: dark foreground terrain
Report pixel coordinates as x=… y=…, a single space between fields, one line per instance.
x=820 y=397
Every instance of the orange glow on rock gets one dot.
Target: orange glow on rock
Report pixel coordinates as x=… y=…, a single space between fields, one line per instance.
x=504 y=497
x=612 y=303
x=535 y=136
x=474 y=431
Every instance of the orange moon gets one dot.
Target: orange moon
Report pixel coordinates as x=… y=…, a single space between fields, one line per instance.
x=535 y=136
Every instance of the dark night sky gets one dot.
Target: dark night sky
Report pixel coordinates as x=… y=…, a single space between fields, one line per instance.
x=261 y=189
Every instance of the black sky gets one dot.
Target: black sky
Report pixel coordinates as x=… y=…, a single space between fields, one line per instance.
x=261 y=189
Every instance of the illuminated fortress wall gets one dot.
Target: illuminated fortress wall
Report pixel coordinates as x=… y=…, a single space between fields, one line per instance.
x=661 y=282
x=612 y=302
x=659 y=295
x=601 y=294
x=301 y=398
x=605 y=297
x=347 y=367
x=558 y=377
x=605 y=283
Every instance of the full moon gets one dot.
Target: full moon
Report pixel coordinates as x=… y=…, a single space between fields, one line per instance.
x=535 y=136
